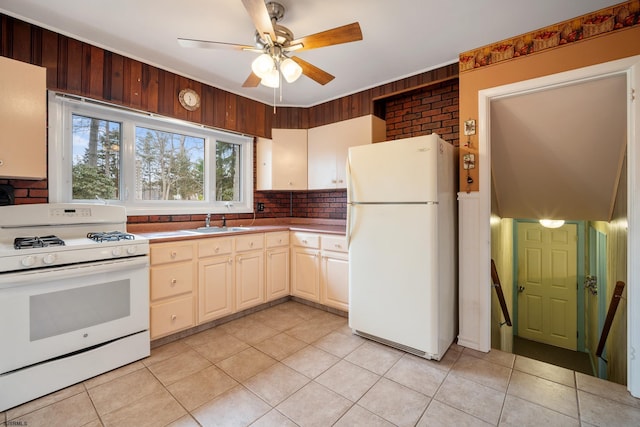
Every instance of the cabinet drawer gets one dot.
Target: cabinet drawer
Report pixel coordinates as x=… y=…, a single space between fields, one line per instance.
x=305 y=240
x=213 y=247
x=280 y=238
x=161 y=254
x=250 y=242
x=334 y=243
x=170 y=280
x=171 y=316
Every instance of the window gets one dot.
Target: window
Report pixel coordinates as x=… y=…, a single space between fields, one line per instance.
x=150 y=164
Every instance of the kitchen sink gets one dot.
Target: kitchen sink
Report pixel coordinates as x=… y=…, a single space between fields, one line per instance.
x=213 y=230
x=175 y=233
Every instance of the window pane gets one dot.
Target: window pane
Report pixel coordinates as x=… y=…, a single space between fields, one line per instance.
x=228 y=172
x=169 y=166
x=96 y=158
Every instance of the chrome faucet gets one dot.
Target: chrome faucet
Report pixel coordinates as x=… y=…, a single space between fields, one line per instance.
x=207 y=220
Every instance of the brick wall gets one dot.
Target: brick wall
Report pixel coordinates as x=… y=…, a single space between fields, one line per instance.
x=432 y=109
x=26 y=191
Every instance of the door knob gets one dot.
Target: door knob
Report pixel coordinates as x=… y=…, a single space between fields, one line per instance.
x=520 y=289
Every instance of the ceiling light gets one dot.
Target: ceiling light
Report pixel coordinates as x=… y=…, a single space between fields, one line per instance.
x=271 y=79
x=290 y=70
x=263 y=65
x=552 y=223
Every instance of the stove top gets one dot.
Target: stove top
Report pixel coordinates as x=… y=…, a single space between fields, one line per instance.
x=57 y=234
x=37 y=242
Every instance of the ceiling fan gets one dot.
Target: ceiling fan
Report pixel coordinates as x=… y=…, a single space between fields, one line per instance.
x=276 y=43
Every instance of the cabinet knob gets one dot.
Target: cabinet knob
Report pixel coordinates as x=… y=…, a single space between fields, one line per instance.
x=250 y=244
x=279 y=240
x=337 y=245
x=217 y=249
x=174 y=254
x=340 y=181
x=333 y=181
x=304 y=241
x=173 y=282
x=290 y=182
x=230 y=261
x=1 y=162
x=239 y=260
x=173 y=317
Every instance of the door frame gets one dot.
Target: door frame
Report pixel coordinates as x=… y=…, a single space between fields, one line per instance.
x=480 y=206
x=580 y=252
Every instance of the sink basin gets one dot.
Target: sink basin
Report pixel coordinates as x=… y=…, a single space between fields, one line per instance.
x=212 y=230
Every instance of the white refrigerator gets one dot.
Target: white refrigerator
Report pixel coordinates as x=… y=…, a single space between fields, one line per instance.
x=401 y=230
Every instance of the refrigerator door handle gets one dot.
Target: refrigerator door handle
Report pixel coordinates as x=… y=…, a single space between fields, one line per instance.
x=349 y=192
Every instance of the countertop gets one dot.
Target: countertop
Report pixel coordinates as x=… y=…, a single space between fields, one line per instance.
x=168 y=232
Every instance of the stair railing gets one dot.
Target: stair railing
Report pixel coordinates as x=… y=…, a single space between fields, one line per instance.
x=503 y=304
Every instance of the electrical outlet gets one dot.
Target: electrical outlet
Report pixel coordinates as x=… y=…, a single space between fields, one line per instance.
x=260 y=207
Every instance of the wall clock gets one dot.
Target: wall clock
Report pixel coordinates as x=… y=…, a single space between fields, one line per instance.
x=189 y=99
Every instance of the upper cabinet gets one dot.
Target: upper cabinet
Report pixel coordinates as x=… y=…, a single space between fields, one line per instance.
x=282 y=160
x=23 y=118
x=328 y=146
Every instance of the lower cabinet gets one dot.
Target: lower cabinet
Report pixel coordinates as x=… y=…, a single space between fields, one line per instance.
x=277 y=265
x=215 y=278
x=334 y=273
x=305 y=266
x=249 y=266
x=172 y=280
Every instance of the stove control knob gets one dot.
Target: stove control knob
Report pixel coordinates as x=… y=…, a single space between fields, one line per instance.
x=28 y=261
x=131 y=250
x=49 y=258
x=116 y=251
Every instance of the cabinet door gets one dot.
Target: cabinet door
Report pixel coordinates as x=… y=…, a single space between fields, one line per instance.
x=289 y=159
x=321 y=163
x=171 y=316
x=249 y=279
x=171 y=279
x=23 y=120
x=277 y=269
x=215 y=288
x=305 y=273
x=334 y=285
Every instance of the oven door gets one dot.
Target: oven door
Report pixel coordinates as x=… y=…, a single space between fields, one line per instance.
x=49 y=313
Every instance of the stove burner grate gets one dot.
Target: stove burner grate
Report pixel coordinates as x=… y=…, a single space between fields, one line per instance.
x=37 y=242
x=109 y=236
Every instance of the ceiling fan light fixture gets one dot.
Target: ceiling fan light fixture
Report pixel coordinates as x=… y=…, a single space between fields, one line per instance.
x=271 y=79
x=290 y=70
x=263 y=65
x=552 y=223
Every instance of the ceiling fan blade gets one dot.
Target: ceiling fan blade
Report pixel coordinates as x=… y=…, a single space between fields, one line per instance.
x=206 y=44
x=252 y=81
x=345 y=34
x=313 y=72
x=259 y=14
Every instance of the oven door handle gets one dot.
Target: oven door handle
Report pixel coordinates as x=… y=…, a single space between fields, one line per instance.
x=18 y=278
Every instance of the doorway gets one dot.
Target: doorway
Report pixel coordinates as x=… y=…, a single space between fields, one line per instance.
x=475 y=210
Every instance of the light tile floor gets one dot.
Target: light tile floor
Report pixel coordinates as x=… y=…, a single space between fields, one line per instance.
x=294 y=365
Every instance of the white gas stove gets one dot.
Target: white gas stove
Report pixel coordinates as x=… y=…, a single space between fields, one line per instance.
x=74 y=296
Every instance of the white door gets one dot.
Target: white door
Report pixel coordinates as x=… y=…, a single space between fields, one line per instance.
x=547 y=284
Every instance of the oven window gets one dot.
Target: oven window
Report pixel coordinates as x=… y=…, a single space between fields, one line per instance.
x=57 y=313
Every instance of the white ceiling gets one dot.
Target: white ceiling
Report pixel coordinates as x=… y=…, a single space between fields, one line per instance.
x=558 y=153
x=400 y=37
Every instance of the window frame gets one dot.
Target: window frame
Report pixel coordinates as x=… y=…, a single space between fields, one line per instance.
x=61 y=109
